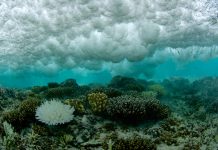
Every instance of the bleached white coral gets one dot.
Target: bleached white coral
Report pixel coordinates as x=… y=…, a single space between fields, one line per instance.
x=54 y=112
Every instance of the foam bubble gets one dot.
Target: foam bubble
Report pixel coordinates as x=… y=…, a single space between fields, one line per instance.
x=52 y=35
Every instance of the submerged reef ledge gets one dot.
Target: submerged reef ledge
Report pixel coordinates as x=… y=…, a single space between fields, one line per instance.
x=126 y=114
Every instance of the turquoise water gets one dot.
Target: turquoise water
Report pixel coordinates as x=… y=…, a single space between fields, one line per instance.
x=193 y=70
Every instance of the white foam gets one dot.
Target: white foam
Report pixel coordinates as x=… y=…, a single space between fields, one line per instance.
x=50 y=35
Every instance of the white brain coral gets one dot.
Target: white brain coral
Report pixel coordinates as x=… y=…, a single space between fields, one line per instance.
x=54 y=112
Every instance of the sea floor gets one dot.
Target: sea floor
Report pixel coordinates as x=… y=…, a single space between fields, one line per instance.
x=176 y=115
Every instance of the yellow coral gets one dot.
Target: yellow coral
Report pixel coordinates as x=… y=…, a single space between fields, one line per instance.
x=149 y=94
x=77 y=104
x=159 y=89
x=98 y=102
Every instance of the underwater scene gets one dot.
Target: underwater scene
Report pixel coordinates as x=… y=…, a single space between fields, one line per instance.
x=108 y=75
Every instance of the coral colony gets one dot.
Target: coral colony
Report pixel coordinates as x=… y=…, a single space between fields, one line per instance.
x=116 y=116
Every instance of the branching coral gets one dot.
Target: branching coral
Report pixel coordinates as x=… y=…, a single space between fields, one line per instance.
x=131 y=143
x=24 y=114
x=77 y=104
x=11 y=138
x=98 y=102
x=110 y=92
x=135 y=109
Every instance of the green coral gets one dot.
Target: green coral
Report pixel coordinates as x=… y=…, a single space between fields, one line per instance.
x=23 y=115
x=159 y=89
x=11 y=138
x=133 y=110
x=127 y=84
x=40 y=129
x=127 y=108
x=77 y=104
x=65 y=141
x=193 y=145
x=39 y=89
x=156 y=110
x=131 y=143
x=98 y=102
x=149 y=94
x=169 y=124
x=59 y=92
x=167 y=138
x=110 y=92
x=53 y=84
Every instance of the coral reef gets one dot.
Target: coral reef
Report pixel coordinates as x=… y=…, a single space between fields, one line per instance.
x=23 y=115
x=110 y=92
x=126 y=84
x=7 y=93
x=213 y=107
x=11 y=138
x=177 y=86
x=39 y=89
x=53 y=84
x=69 y=83
x=134 y=142
x=54 y=112
x=77 y=104
x=59 y=92
x=157 y=88
x=207 y=87
x=118 y=116
x=98 y=102
x=135 y=109
x=148 y=94
x=67 y=89
x=40 y=129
